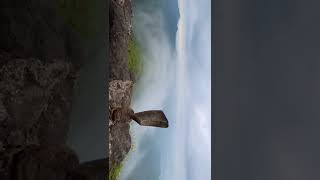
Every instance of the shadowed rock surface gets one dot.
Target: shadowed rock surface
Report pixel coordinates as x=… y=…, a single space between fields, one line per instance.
x=120 y=14
x=120 y=93
x=38 y=29
x=35 y=101
x=121 y=84
x=41 y=51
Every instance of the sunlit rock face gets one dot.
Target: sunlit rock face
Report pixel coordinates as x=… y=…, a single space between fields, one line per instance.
x=120 y=93
x=120 y=80
x=39 y=29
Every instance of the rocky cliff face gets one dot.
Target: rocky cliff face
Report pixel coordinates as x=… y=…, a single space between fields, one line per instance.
x=35 y=101
x=40 y=54
x=120 y=14
x=38 y=29
x=120 y=78
x=39 y=62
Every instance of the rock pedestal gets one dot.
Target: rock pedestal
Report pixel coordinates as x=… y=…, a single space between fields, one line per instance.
x=120 y=93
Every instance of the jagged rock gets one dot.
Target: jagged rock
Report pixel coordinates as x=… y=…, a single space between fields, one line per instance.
x=41 y=49
x=120 y=28
x=38 y=29
x=35 y=101
x=119 y=18
x=120 y=78
x=120 y=93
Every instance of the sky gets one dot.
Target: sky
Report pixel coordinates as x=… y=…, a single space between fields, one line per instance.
x=177 y=80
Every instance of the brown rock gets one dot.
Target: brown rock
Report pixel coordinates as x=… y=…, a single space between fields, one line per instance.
x=120 y=93
x=35 y=101
x=119 y=24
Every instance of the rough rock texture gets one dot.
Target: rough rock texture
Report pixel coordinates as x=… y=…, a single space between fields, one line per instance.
x=35 y=101
x=40 y=54
x=120 y=93
x=120 y=79
x=119 y=33
x=38 y=29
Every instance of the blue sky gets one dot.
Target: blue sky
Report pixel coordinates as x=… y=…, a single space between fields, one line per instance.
x=176 y=79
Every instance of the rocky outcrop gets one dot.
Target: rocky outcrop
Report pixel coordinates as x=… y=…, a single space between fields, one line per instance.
x=35 y=101
x=120 y=79
x=41 y=51
x=120 y=25
x=120 y=93
x=39 y=29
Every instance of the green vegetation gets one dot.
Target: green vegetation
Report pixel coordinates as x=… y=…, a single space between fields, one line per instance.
x=115 y=172
x=85 y=17
x=134 y=57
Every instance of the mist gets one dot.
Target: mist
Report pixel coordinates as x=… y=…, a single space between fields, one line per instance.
x=150 y=92
x=176 y=79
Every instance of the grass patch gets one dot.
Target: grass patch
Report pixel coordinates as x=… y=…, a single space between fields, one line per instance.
x=115 y=172
x=134 y=57
x=85 y=17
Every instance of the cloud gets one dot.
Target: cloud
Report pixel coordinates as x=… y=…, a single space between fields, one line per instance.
x=191 y=141
x=152 y=91
x=177 y=80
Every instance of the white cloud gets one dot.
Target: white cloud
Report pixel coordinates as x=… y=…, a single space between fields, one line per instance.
x=180 y=83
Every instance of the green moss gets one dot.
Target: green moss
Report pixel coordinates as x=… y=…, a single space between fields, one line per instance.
x=115 y=172
x=85 y=17
x=134 y=57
